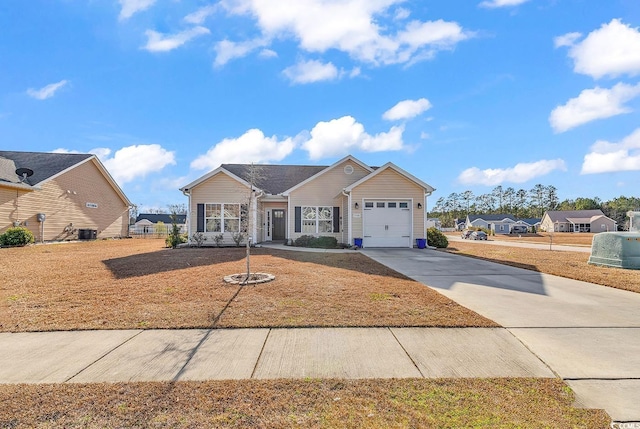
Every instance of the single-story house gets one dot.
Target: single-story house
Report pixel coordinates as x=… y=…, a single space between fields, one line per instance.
x=460 y=224
x=498 y=223
x=577 y=221
x=61 y=196
x=349 y=200
x=157 y=223
x=532 y=224
x=433 y=222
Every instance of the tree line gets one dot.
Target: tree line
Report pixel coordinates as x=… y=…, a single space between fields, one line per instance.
x=524 y=204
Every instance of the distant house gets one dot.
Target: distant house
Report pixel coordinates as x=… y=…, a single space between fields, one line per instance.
x=433 y=222
x=532 y=224
x=157 y=223
x=498 y=223
x=349 y=200
x=61 y=196
x=577 y=221
x=460 y=224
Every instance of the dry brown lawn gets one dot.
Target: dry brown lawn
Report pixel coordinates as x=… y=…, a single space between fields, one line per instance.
x=572 y=265
x=124 y=284
x=495 y=403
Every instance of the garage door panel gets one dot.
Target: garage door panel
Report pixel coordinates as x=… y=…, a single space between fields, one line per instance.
x=387 y=225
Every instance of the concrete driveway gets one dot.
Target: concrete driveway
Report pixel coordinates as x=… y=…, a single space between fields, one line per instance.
x=587 y=334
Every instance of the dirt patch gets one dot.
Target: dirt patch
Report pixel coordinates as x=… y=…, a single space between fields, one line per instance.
x=572 y=265
x=131 y=284
x=299 y=403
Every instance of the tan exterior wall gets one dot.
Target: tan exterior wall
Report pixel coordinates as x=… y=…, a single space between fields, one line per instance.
x=389 y=185
x=64 y=202
x=216 y=190
x=325 y=190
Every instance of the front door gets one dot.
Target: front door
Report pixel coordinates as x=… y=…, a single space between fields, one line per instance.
x=278 y=224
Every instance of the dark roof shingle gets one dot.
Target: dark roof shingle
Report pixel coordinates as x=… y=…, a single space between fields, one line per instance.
x=43 y=164
x=274 y=179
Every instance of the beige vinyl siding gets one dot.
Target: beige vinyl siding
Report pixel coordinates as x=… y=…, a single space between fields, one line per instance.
x=64 y=202
x=389 y=185
x=325 y=191
x=219 y=189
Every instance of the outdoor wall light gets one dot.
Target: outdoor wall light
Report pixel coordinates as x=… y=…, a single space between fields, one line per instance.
x=419 y=205
x=356 y=206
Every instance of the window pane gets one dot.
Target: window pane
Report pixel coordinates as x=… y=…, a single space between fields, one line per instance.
x=213 y=225
x=404 y=205
x=325 y=226
x=231 y=225
x=212 y=210
x=308 y=213
x=309 y=226
x=325 y=213
x=231 y=211
x=380 y=205
x=368 y=205
x=391 y=205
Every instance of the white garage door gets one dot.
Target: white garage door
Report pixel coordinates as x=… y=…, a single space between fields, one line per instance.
x=387 y=224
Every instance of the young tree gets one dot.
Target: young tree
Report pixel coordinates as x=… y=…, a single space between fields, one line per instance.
x=254 y=176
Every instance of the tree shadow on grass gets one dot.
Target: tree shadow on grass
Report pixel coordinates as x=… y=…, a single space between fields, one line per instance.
x=168 y=260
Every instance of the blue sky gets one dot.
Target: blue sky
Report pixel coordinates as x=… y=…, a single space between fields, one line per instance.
x=464 y=94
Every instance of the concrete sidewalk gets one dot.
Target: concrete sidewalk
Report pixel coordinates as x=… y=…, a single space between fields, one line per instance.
x=587 y=334
x=171 y=355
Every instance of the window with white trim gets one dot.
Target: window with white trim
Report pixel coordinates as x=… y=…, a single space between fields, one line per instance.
x=222 y=217
x=316 y=220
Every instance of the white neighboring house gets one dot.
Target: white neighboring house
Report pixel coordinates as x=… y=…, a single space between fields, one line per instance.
x=433 y=222
x=152 y=223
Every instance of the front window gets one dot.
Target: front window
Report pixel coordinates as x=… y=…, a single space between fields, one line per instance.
x=223 y=217
x=317 y=220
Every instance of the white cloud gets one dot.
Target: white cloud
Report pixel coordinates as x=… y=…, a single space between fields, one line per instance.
x=311 y=71
x=592 y=104
x=131 y=162
x=158 y=42
x=252 y=146
x=130 y=7
x=199 y=16
x=608 y=157
x=492 y=4
x=268 y=53
x=226 y=50
x=521 y=173
x=568 y=39
x=340 y=136
x=612 y=50
x=407 y=109
x=47 y=91
x=134 y=162
x=401 y=13
x=351 y=26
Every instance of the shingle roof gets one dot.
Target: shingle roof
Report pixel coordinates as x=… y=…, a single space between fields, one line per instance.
x=531 y=221
x=491 y=217
x=565 y=215
x=161 y=217
x=44 y=165
x=275 y=179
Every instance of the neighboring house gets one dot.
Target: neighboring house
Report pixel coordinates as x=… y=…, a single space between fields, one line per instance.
x=532 y=224
x=384 y=207
x=61 y=196
x=460 y=224
x=498 y=223
x=433 y=222
x=160 y=223
x=577 y=221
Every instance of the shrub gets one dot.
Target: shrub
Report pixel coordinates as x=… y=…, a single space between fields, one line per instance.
x=436 y=238
x=17 y=236
x=316 y=242
x=238 y=238
x=199 y=238
x=218 y=239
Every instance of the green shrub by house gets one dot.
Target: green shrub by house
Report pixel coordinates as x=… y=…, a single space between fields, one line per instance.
x=316 y=242
x=436 y=238
x=17 y=236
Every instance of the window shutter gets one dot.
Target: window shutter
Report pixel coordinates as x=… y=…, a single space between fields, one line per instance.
x=336 y=219
x=200 y=222
x=298 y=219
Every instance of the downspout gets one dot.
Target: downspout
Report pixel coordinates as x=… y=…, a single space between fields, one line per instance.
x=187 y=193
x=255 y=216
x=348 y=195
x=424 y=227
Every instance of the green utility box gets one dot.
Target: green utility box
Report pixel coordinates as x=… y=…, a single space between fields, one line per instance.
x=616 y=249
